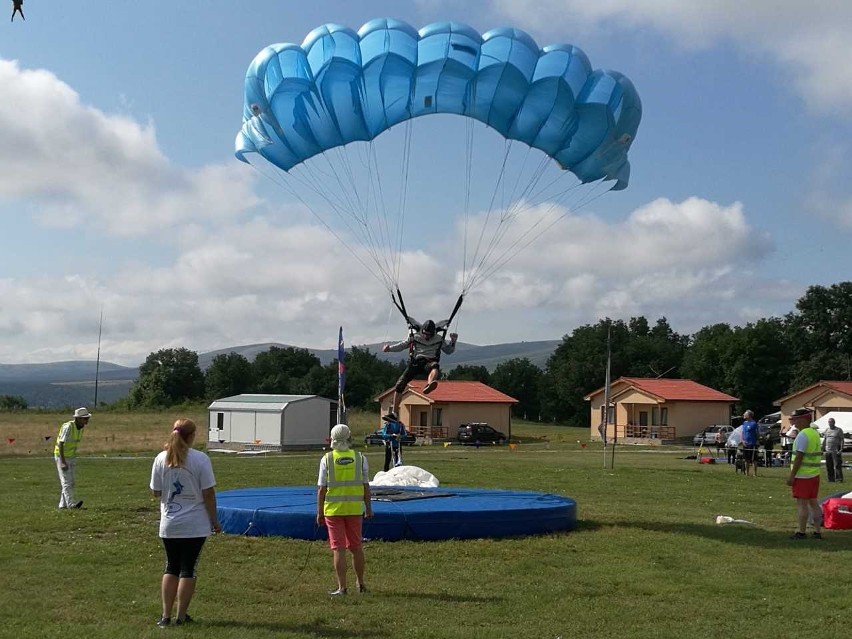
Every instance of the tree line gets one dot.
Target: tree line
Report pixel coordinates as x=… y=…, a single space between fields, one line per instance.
x=758 y=363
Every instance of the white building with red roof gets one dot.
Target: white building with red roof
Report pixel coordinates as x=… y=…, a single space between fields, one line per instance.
x=657 y=410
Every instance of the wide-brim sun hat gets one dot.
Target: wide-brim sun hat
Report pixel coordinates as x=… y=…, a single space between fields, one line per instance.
x=801 y=412
x=82 y=412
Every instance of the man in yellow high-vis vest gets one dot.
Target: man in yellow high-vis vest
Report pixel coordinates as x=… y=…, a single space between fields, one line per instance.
x=65 y=455
x=804 y=473
x=343 y=500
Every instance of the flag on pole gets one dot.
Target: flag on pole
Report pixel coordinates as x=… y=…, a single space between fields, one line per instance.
x=341 y=379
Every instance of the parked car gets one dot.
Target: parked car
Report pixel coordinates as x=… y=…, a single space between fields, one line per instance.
x=713 y=435
x=479 y=432
x=376 y=439
x=769 y=429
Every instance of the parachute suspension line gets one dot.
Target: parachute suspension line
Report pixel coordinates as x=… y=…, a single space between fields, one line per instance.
x=346 y=212
x=522 y=203
x=359 y=210
x=341 y=205
x=277 y=179
x=528 y=237
x=468 y=178
x=517 y=205
x=510 y=214
x=374 y=232
x=560 y=176
x=358 y=207
x=403 y=196
x=383 y=224
x=474 y=258
x=512 y=200
x=307 y=176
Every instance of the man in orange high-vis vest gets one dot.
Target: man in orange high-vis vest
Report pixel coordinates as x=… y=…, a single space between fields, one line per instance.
x=804 y=474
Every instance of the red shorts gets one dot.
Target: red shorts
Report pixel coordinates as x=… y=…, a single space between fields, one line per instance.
x=344 y=531
x=806 y=488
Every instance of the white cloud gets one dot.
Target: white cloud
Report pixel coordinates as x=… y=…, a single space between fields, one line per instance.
x=267 y=280
x=692 y=261
x=809 y=40
x=82 y=165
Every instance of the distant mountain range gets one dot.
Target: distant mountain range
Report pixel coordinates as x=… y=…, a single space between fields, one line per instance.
x=72 y=383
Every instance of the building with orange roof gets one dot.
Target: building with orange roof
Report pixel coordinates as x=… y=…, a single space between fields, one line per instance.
x=821 y=398
x=440 y=413
x=657 y=410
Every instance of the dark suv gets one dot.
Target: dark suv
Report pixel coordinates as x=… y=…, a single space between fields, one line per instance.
x=479 y=432
x=769 y=429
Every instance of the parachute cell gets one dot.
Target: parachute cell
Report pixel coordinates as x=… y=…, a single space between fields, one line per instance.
x=340 y=86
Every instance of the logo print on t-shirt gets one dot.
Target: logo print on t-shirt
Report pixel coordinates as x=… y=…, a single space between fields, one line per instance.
x=177 y=490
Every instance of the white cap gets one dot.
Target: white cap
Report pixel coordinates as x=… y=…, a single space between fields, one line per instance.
x=341 y=437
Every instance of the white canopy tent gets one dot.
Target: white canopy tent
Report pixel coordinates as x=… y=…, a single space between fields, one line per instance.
x=843 y=420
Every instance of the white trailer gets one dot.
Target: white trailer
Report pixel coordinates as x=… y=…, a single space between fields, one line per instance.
x=271 y=422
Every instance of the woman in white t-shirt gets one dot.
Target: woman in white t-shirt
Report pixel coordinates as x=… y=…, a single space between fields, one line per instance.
x=183 y=480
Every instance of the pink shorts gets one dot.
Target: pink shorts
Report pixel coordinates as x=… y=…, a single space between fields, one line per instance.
x=806 y=488
x=344 y=531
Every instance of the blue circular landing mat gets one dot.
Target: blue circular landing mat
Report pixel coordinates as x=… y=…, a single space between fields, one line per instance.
x=401 y=513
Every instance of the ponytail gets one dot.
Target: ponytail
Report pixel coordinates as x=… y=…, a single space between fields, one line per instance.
x=177 y=445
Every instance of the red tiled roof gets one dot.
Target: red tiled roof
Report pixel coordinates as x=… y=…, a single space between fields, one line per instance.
x=843 y=387
x=459 y=391
x=674 y=389
x=679 y=389
x=840 y=387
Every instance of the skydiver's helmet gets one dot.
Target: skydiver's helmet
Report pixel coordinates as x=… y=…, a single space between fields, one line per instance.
x=428 y=328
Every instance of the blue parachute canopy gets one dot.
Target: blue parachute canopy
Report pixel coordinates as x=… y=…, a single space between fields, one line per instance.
x=340 y=86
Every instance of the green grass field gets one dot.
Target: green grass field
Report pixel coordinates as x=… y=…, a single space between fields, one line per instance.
x=647 y=559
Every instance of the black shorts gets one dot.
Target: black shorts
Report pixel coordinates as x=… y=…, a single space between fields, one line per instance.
x=182 y=555
x=416 y=366
x=750 y=455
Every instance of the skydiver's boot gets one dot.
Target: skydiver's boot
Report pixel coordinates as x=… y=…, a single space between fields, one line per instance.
x=430 y=387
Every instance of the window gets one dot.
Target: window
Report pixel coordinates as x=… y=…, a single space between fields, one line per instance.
x=610 y=414
x=220 y=421
x=655 y=416
x=664 y=416
x=437 y=416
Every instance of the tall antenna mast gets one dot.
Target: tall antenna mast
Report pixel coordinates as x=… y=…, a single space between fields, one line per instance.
x=98 y=360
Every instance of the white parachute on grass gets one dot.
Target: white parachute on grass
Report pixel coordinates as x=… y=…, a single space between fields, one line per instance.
x=406 y=476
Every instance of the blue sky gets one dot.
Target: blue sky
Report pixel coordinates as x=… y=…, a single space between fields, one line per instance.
x=119 y=190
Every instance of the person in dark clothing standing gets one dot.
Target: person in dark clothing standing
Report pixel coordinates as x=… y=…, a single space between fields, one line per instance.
x=750 y=437
x=393 y=431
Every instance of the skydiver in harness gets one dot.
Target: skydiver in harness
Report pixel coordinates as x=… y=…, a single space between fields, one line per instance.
x=425 y=343
x=17 y=7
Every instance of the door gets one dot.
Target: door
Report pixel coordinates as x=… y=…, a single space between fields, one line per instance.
x=220 y=427
x=643 y=418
